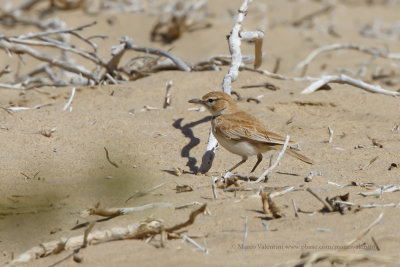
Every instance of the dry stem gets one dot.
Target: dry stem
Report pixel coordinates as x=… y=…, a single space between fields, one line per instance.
x=367 y=230
x=141 y=230
x=332 y=47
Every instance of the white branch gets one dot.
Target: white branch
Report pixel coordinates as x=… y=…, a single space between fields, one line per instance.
x=18 y=49
x=70 y=99
x=344 y=79
x=209 y=155
x=194 y=243
x=234 y=48
x=332 y=47
x=236 y=60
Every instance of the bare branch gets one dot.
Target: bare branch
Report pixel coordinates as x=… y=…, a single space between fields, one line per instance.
x=129 y=45
x=18 y=48
x=367 y=230
x=234 y=47
x=333 y=47
x=318 y=83
x=344 y=79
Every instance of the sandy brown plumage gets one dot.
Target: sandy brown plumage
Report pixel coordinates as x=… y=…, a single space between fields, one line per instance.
x=241 y=133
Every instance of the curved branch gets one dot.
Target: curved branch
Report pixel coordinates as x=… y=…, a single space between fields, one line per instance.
x=129 y=45
x=344 y=79
x=332 y=47
x=18 y=49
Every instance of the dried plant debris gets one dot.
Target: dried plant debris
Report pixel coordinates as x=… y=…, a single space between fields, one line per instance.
x=369 y=163
x=183 y=188
x=377 y=189
x=247 y=99
x=141 y=194
x=47 y=133
x=60 y=71
x=113 y=212
x=266 y=85
x=226 y=182
x=343 y=257
x=179 y=17
x=109 y=160
x=269 y=206
x=142 y=230
x=310 y=176
x=366 y=231
x=337 y=204
x=380 y=29
x=382 y=189
x=177 y=171
x=392 y=166
x=167 y=99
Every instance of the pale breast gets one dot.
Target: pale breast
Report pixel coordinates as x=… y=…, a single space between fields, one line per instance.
x=242 y=148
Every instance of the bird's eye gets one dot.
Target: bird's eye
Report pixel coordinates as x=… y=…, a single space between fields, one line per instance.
x=210 y=100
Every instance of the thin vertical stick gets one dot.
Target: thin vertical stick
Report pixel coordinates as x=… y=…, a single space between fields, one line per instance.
x=167 y=100
x=70 y=99
x=245 y=233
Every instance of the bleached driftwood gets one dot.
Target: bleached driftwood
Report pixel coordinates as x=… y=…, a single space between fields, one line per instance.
x=61 y=70
x=342 y=257
x=317 y=83
x=372 y=51
x=127 y=44
x=383 y=189
x=344 y=79
x=141 y=230
x=19 y=48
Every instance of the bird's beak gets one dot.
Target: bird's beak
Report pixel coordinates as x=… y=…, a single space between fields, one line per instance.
x=196 y=101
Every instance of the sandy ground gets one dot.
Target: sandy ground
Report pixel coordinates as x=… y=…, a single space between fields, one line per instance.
x=68 y=172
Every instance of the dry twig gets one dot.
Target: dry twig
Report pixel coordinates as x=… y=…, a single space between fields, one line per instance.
x=372 y=51
x=344 y=79
x=69 y=103
x=310 y=258
x=269 y=206
x=167 y=99
x=140 y=194
x=142 y=230
x=327 y=205
x=109 y=160
x=113 y=212
x=367 y=230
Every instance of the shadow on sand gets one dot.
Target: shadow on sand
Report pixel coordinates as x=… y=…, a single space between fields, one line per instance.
x=194 y=141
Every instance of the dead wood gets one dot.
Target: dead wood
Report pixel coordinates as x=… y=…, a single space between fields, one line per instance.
x=141 y=230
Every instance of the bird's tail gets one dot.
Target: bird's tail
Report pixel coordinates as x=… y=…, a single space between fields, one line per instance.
x=297 y=155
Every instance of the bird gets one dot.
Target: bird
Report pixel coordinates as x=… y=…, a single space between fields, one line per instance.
x=240 y=132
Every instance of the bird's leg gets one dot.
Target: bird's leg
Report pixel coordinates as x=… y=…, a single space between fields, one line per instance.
x=244 y=158
x=259 y=159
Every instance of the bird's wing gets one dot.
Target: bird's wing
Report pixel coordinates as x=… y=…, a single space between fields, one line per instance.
x=246 y=127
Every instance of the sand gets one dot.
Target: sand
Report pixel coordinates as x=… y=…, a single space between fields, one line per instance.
x=47 y=181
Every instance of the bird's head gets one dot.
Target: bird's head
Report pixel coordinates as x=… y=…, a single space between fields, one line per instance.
x=217 y=103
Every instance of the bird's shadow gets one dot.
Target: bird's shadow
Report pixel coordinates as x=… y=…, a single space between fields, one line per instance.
x=194 y=141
